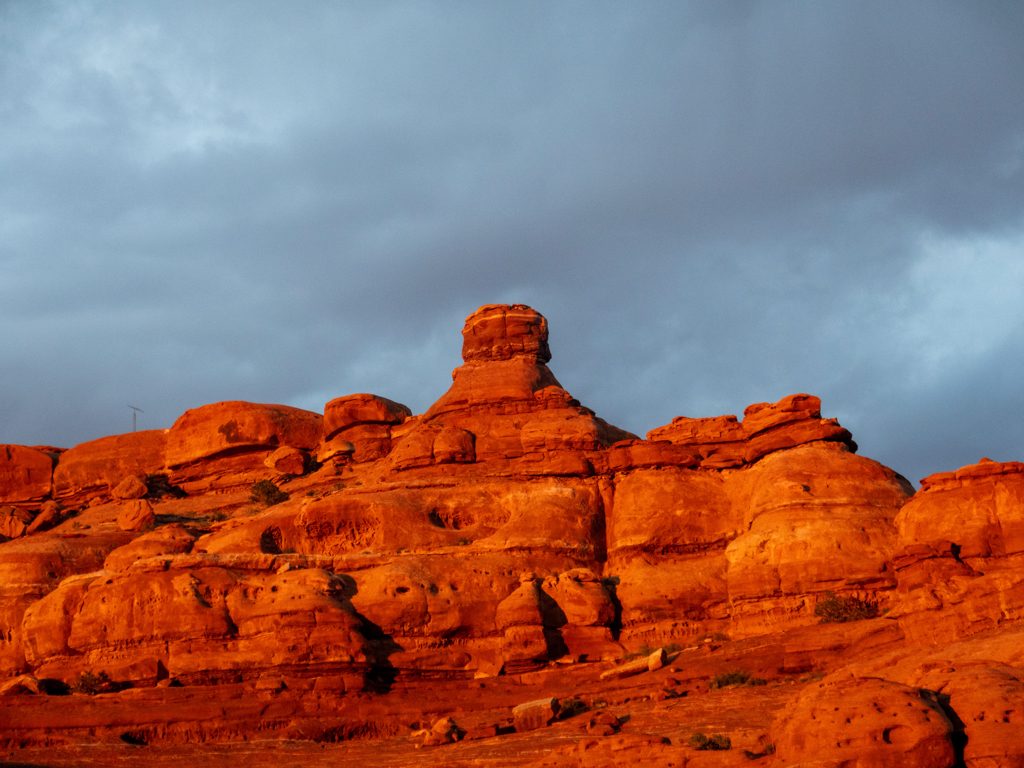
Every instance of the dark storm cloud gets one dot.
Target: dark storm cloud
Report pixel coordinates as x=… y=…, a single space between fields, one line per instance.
x=713 y=203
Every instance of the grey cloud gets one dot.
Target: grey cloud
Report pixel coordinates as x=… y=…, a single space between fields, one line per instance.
x=713 y=203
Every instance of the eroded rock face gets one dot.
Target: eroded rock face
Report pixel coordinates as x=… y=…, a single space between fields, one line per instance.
x=865 y=722
x=93 y=469
x=26 y=474
x=225 y=444
x=503 y=331
x=507 y=530
x=747 y=551
x=960 y=552
x=196 y=624
x=724 y=442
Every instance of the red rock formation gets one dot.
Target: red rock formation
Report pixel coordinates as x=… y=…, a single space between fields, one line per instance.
x=960 y=552
x=724 y=442
x=872 y=723
x=225 y=444
x=136 y=516
x=502 y=548
x=93 y=469
x=26 y=474
x=363 y=420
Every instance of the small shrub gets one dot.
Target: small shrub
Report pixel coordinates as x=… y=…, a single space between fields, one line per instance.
x=832 y=609
x=91 y=683
x=267 y=494
x=718 y=742
x=462 y=541
x=673 y=648
x=735 y=678
x=571 y=707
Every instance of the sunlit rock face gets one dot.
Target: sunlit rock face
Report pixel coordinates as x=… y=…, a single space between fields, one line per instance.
x=257 y=550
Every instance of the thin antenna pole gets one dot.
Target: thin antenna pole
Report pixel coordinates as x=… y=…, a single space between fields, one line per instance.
x=135 y=411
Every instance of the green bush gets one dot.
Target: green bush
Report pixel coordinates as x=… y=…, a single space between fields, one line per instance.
x=266 y=493
x=832 y=609
x=718 y=742
x=735 y=678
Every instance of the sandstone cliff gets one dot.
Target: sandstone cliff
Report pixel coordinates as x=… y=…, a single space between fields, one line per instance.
x=507 y=532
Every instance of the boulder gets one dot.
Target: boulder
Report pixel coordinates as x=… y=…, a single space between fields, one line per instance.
x=14 y=522
x=132 y=487
x=535 y=714
x=49 y=515
x=287 y=461
x=237 y=426
x=26 y=474
x=351 y=410
x=20 y=686
x=867 y=722
x=136 y=515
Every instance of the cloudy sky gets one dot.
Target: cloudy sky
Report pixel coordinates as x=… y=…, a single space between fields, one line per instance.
x=714 y=204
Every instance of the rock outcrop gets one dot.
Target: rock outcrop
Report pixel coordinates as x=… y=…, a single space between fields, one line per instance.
x=26 y=474
x=92 y=470
x=226 y=444
x=340 y=570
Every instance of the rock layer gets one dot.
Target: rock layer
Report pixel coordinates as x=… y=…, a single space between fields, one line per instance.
x=506 y=532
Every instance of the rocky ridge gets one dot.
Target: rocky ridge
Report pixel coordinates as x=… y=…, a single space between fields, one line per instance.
x=512 y=541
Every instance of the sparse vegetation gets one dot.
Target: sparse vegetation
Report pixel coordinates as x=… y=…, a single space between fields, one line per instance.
x=735 y=679
x=718 y=742
x=91 y=683
x=265 y=493
x=833 y=609
x=646 y=650
x=461 y=541
x=571 y=707
x=159 y=485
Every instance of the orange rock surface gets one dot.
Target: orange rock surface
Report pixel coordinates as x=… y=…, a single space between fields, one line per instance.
x=26 y=474
x=93 y=469
x=420 y=577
